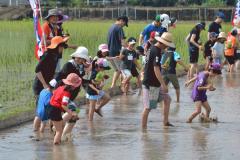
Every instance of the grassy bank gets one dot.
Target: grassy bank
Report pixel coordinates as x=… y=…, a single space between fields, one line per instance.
x=17 y=61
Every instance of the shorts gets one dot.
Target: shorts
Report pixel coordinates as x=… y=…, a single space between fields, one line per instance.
x=55 y=114
x=237 y=54
x=193 y=58
x=95 y=97
x=150 y=97
x=230 y=59
x=116 y=63
x=202 y=99
x=173 y=79
x=126 y=73
x=43 y=112
x=134 y=72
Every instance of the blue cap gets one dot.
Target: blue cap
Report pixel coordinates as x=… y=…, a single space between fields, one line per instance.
x=221 y=15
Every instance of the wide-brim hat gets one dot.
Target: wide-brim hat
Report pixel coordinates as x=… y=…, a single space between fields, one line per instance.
x=55 y=41
x=166 y=39
x=81 y=52
x=103 y=48
x=73 y=80
x=52 y=12
x=222 y=35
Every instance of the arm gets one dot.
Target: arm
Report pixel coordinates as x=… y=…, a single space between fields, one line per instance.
x=190 y=81
x=137 y=64
x=183 y=65
x=160 y=79
x=94 y=88
x=42 y=80
x=193 y=42
x=140 y=42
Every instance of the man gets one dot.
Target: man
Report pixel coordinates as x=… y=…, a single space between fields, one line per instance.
x=153 y=80
x=216 y=25
x=160 y=25
x=115 y=42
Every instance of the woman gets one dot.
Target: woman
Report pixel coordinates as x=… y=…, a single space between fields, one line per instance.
x=77 y=65
x=194 y=46
x=46 y=67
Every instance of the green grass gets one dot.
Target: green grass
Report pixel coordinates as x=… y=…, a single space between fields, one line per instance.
x=17 y=61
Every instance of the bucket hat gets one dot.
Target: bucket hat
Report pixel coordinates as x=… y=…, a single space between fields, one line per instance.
x=103 y=63
x=81 y=52
x=166 y=39
x=73 y=80
x=52 y=12
x=165 y=20
x=216 y=67
x=103 y=48
x=222 y=35
x=55 y=41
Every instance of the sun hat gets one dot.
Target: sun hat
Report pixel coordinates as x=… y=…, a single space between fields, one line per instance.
x=81 y=52
x=124 y=18
x=222 y=35
x=216 y=67
x=220 y=15
x=55 y=41
x=73 y=80
x=103 y=63
x=158 y=18
x=166 y=39
x=52 y=12
x=132 y=40
x=165 y=20
x=103 y=48
x=201 y=25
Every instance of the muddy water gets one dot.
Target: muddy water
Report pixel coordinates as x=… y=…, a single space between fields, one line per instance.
x=118 y=136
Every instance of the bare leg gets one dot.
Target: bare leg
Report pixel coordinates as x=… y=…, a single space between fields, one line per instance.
x=196 y=112
x=42 y=127
x=115 y=78
x=145 y=114
x=92 y=104
x=36 y=124
x=67 y=130
x=59 y=129
x=104 y=100
x=166 y=107
x=178 y=95
x=207 y=108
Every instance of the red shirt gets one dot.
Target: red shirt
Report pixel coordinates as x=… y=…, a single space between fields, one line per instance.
x=60 y=97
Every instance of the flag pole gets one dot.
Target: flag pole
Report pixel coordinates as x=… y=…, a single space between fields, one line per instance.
x=41 y=20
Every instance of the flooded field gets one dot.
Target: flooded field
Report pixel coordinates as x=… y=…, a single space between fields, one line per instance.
x=118 y=135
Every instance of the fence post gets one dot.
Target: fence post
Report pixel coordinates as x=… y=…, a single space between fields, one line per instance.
x=205 y=14
x=112 y=13
x=103 y=13
x=199 y=14
x=118 y=12
x=147 y=14
x=79 y=13
x=135 y=13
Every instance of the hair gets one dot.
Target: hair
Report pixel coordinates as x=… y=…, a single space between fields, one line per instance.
x=68 y=88
x=99 y=54
x=234 y=32
x=215 y=71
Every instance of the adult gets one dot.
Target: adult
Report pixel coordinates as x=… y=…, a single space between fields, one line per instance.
x=194 y=46
x=153 y=80
x=76 y=65
x=216 y=25
x=115 y=42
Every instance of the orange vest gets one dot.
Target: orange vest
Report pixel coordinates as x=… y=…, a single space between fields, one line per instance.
x=230 y=45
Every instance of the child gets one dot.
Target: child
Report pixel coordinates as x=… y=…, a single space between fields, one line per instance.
x=129 y=58
x=208 y=49
x=94 y=91
x=218 y=49
x=169 y=61
x=59 y=102
x=203 y=82
x=231 y=45
x=41 y=117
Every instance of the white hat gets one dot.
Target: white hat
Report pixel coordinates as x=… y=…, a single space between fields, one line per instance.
x=103 y=48
x=165 y=20
x=81 y=52
x=166 y=39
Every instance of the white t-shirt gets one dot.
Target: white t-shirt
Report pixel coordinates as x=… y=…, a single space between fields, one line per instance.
x=219 y=49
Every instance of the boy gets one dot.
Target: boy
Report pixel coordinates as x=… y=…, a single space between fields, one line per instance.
x=169 y=61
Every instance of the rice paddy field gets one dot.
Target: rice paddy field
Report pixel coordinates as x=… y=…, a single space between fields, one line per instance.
x=17 y=60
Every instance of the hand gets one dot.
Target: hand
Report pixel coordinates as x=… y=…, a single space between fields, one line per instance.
x=212 y=89
x=186 y=69
x=200 y=48
x=186 y=84
x=45 y=86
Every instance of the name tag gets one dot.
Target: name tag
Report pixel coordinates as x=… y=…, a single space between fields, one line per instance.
x=130 y=58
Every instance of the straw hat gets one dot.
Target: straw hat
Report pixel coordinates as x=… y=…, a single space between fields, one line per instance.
x=166 y=39
x=55 y=41
x=73 y=80
x=81 y=52
x=222 y=35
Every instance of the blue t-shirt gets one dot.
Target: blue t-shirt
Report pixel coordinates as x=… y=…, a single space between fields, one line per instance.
x=115 y=35
x=150 y=28
x=43 y=104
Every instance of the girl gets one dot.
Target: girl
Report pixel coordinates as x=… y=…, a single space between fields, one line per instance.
x=94 y=90
x=59 y=102
x=218 y=49
x=203 y=82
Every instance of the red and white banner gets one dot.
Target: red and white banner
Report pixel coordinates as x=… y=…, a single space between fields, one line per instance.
x=236 y=16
